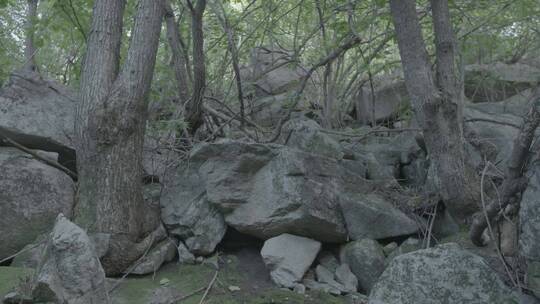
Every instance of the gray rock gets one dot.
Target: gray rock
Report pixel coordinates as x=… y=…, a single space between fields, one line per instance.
x=32 y=195
x=70 y=271
x=164 y=295
x=184 y=256
x=345 y=276
x=444 y=274
x=371 y=216
x=15 y=297
x=390 y=98
x=328 y=260
x=39 y=114
x=366 y=260
x=186 y=212
x=389 y=248
x=410 y=245
x=323 y=274
x=324 y=287
x=288 y=257
x=307 y=135
x=267 y=190
x=162 y=252
x=299 y=288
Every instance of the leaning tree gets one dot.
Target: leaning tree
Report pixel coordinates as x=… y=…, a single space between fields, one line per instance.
x=111 y=119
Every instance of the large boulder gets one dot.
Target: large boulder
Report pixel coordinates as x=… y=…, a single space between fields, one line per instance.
x=266 y=190
x=187 y=213
x=389 y=98
x=272 y=73
x=444 y=274
x=70 y=271
x=39 y=114
x=371 y=216
x=498 y=81
x=32 y=195
x=366 y=260
x=288 y=257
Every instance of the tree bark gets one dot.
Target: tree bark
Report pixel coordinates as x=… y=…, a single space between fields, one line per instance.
x=29 y=47
x=436 y=106
x=178 y=57
x=110 y=131
x=194 y=109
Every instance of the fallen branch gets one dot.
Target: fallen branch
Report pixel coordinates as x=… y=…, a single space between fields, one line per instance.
x=189 y=295
x=45 y=160
x=371 y=132
x=514 y=182
x=209 y=287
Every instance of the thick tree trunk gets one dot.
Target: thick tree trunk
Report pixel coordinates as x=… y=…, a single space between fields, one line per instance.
x=194 y=108
x=29 y=48
x=110 y=130
x=436 y=107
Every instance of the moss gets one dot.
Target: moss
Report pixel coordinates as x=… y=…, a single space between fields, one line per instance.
x=10 y=277
x=188 y=278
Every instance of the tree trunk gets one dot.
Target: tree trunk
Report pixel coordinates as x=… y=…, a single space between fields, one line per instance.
x=178 y=57
x=436 y=106
x=194 y=107
x=29 y=48
x=110 y=131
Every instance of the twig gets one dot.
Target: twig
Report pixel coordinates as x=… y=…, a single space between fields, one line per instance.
x=371 y=132
x=47 y=161
x=209 y=287
x=189 y=295
x=22 y=251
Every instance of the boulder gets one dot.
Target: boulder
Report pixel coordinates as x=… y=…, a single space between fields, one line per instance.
x=32 y=195
x=288 y=257
x=186 y=212
x=366 y=260
x=39 y=114
x=389 y=99
x=270 y=72
x=345 y=277
x=266 y=190
x=70 y=271
x=444 y=274
x=162 y=252
x=371 y=216
x=184 y=256
x=498 y=81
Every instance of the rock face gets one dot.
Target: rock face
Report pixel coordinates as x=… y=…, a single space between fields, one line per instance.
x=39 y=114
x=366 y=260
x=288 y=257
x=70 y=271
x=32 y=195
x=529 y=238
x=186 y=212
x=444 y=274
x=161 y=253
x=371 y=216
x=390 y=97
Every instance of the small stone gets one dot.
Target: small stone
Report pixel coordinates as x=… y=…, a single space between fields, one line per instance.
x=233 y=288
x=389 y=248
x=328 y=260
x=299 y=288
x=324 y=275
x=164 y=281
x=184 y=256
